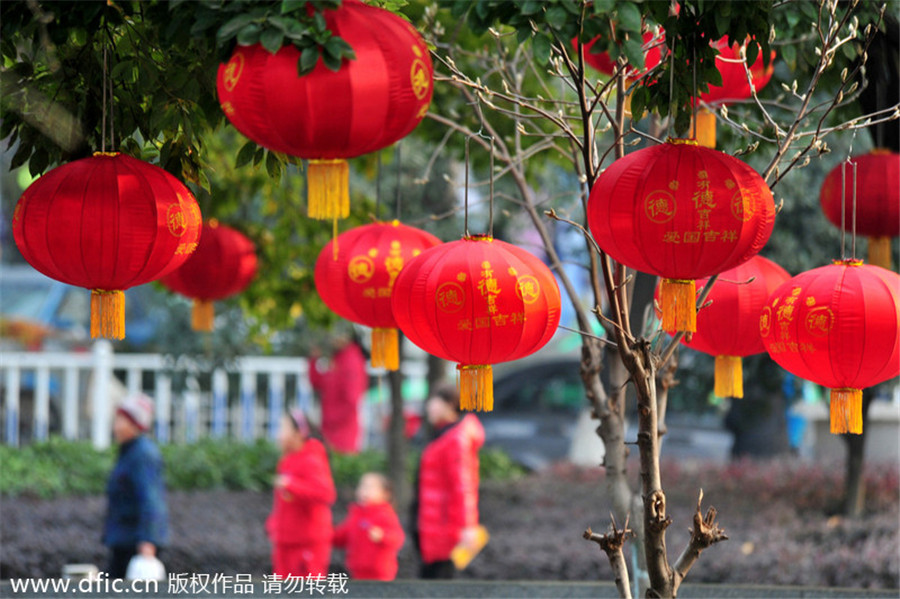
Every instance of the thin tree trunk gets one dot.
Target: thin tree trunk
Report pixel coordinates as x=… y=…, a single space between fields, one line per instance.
x=854 y=502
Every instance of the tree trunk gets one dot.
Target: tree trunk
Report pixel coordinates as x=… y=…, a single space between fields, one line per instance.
x=397 y=438
x=854 y=502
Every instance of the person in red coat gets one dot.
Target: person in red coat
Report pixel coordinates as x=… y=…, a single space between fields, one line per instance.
x=371 y=534
x=340 y=390
x=300 y=523
x=445 y=507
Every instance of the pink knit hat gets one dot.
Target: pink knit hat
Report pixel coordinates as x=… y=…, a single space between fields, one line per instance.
x=139 y=409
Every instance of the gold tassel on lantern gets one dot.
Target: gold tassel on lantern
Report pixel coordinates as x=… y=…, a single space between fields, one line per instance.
x=476 y=387
x=329 y=189
x=706 y=128
x=678 y=304
x=880 y=252
x=385 y=349
x=203 y=314
x=729 y=377
x=107 y=314
x=846 y=411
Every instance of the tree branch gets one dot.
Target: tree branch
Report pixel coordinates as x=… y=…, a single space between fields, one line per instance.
x=611 y=544
x=705 y=533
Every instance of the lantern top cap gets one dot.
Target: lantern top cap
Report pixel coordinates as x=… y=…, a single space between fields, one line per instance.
x=107 y=154
x=479 y=237
x=681 y=141
x=881 y=151
x=848 y=262
x=213 y=223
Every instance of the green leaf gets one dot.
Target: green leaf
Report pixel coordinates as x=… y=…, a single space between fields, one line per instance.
x=634 y=53
x=249 y=35
x=273 y=165
x=117 y=71
x=271 y=39
x=308 y=59
x=319 y=20
x=333 y=63
x=752 y=52
x=38 y=162
x=245 y=154
x=604 y=6
x=231 y=28
x=531 y=7
x=289 y=6
x=557 y=17
x=639 y=99
x=629 y=17
x=542 y=46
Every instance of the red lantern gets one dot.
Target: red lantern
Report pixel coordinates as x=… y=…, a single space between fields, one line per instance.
x=223 y=265
x=327 y=116
x=358 y=280
x=838 y=326
x=728 y=328
x=477 y=301
x=106 y=223
x=652 y=46
x=734 y=86
x=877 y=200
x=680 y=211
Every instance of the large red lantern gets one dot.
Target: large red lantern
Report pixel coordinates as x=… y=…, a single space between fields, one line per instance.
x=682 y=212
x=326 y=116
x=728 y=328
x=358 y=280
x=877 y=193
x=838 y=326
x=735 y=86
x=477 y=301
x=223 y=265
x=107 y=223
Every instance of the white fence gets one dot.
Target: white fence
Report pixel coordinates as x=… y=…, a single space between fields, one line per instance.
x=74 y=394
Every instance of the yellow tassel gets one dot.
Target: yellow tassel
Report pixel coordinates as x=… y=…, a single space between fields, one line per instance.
x=107 y=314
x=729 y=376
x=679 y=307
x=476 y=387
x=329 y=189
x=880 y=252
x=203 y=314
x=706 y=128
x=846 y=411
x=385 y=349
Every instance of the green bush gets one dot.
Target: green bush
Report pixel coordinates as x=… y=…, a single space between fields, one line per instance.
x=59 y=467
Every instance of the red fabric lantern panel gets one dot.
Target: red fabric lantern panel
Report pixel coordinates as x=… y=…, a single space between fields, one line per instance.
x=728 y=328
x=838 y=326
x=107 y=223
x=327 y=116
x=682 y=212
x=223 y=265
x=477 y=301
x=877 y=200
x=357 y=282
x=602 y=61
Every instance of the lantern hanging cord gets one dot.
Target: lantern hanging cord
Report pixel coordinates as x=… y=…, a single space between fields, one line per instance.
x=671 y=87
x=397 y=198
x=103 y=105
x=853 y=221
x=378 y=186
x=491 y=195
x=694 y=99
x=466 y=192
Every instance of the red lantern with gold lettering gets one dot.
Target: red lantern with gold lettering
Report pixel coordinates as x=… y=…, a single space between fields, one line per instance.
x=325 y=116
x=728 y=328
x=223 y=265
x=357 y=281
x=477 y=301
x=838 y=326
x=877 y=186
x=682 y=212
x=107 y=223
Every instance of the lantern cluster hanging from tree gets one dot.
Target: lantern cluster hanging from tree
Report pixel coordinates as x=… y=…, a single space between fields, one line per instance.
x=477 y=301
x=838 y=326
x=324 y=116
x=223 y=265
x=108 y=222
x=874 y=187
x=728 y=327
x=358 y=279
x=682 y=212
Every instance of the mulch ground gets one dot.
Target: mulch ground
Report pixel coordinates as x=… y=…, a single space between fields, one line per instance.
x=779 y=517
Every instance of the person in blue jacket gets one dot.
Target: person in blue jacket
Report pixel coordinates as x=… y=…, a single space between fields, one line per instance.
x=136 y=516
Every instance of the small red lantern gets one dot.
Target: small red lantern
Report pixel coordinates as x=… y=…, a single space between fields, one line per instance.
x=877 y=195
x=734 y=86
x=728 y=328
x=652 y=46
x=107 y=223
x=327 y=116
x=838 y=326
x=477 y=301
x=223 y=265
x=357 y=282
x=680 y=211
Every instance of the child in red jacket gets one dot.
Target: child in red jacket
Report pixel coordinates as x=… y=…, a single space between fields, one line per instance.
x=371 y=533
x=300 y=523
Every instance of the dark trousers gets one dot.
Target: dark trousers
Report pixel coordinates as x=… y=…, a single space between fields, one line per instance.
x=119 y=556
x=442 y=569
